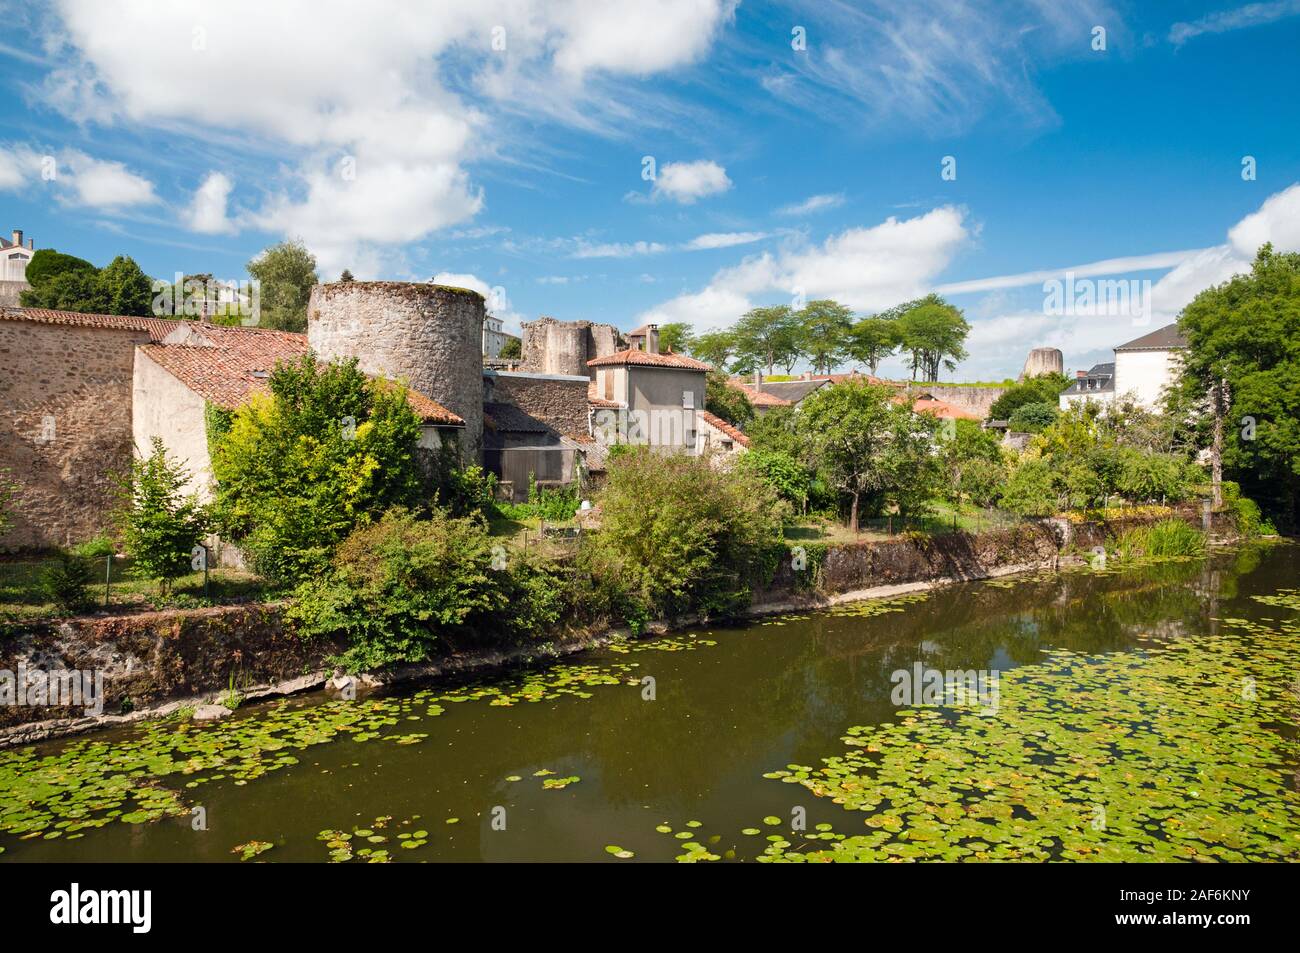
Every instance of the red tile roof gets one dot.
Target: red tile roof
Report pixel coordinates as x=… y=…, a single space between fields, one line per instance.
x=235 y=362
x=942 y=409
x=595 y=400
x=719 y=424
x=646 y=359
x=158 y=328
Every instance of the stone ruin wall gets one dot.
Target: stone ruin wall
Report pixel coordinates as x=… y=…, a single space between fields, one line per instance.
x=565 y=347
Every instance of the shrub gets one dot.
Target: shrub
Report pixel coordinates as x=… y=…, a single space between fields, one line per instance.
x=327 y=450
x=555 y=504
x=63 y=581
x=1030 y=491
x=1037 y=390
x=1249 y=518
x=1033 y=418
x=680 y=535
x=462 y=491
x=782 y=473
x=96 y=548
x=1147 y=477
x=403 y=588
x=160 y=525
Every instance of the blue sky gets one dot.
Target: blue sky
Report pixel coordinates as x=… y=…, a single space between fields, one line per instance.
x=402 y=141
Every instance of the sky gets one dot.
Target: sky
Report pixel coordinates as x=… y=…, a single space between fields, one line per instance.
x=675 y=160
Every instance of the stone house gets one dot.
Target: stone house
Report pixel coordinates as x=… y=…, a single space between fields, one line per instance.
x=642 y=396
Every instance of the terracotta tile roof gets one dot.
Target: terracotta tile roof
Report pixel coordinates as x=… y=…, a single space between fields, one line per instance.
x=595 y=400
x=646 y=359
x=227 y=365
x=718 y=423
x=759 y=398
x=158 y=328
x=942 y=409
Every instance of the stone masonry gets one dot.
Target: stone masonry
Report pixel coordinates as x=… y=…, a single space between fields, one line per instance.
x=565 y=347
x=429 y=336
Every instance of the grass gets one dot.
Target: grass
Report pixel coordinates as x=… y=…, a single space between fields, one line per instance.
x=21 y=599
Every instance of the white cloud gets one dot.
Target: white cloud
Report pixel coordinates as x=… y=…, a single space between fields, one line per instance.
x=814 y=203
x=866 y=268
x=1110 y=266
x=406 y=90
x=723 y=240
x=618 y=249
x=687 y=182
x=77 y=179
x=498 y=301
x=1222 y=21
x=207 y=213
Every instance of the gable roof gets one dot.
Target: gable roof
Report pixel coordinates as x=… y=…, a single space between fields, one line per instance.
x=646 y=359
x=157 y=328
x=1161 y=339
x=717 y=423
x=227 y=365
x=759 y=398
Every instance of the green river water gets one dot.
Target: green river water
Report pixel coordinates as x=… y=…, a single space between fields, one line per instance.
x=1148 y=712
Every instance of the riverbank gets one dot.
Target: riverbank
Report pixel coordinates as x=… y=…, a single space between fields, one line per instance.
x=168 y=664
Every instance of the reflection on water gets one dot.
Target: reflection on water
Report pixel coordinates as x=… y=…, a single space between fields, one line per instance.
x=477 y=769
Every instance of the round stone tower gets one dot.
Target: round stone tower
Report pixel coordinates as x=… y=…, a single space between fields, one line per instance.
x=1043 y=360
x=430 y=336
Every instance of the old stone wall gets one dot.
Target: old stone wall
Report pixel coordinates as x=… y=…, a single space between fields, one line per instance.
x=65 y=426
x=11 y=293
x=428 y=335
x=977 y=400
x=556 y=400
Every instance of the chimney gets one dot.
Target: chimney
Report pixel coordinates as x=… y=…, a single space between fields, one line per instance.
x=652 y=339
x=18 y=238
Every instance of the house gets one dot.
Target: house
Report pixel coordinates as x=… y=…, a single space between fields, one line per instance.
x=643 y=396
x=534 y=429
x=1143 y=368
x=14 y=258
x=714 y=435
x=494 y=336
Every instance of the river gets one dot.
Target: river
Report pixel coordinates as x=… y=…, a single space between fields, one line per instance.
x=1120 y=714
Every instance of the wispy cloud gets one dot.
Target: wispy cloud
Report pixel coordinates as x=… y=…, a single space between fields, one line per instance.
x=1239 y=18
x=814 y=203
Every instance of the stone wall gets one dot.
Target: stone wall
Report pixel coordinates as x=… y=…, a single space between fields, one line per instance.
x=65 y=426
x=428 y=335
x=977 y=400
x=557 y=400
x=11 y=293
x=565 y=347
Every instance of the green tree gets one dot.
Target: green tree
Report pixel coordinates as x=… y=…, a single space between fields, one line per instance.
x=714 y=348
x=964 y=451
x=1031 y=490
x=513 y=349
x=1244 y=349
x=300 y=468
x=781 y=471
x=159 y=522
x=71 y=290
x=765 y=338
x=872 y=340
x=47 y=263
x=66 y=283
x=934 y=333
x=675 y=336
x=730 y=403
x=1044 y=389
x=126 y=288
x=286 y=274
x=867 y=444
x=1033 y=418
x=823 y=333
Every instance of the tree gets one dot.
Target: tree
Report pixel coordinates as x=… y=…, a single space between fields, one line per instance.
x=66 y=283
x=127 y=289
x=1031 y=490
x=866 y=443
x=286 y=274
x=160 y=523
x=933 y=333
x=1033 y=418
x=781 y=471
x=713 y=347
x=730 y=403
x=70 y=290
x=346 y=275
x=675 y=336
x=300 y=468
x=823 y=333
x=513 y=349
x=766 y=337
x=971 y=459
x=1244 y=349
x=1044 y=389
x=47 y=263
x=872 y=340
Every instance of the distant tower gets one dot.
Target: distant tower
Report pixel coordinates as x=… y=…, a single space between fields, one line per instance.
x=430 y=336
x=1043 y=360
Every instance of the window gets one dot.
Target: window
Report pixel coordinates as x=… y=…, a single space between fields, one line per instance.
x=688 y=399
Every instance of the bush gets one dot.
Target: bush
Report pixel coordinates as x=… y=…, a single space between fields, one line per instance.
x=462 y=491
x=160 y=525
x=63 y=581
x=554 y=505
x=1249 y=518
x=326 y=451
x=679 y=535
x=1030 y=491
x=403 y=589
x=782 y=473
x=1151 y=477
x=1044 y=389
x=1033 y=418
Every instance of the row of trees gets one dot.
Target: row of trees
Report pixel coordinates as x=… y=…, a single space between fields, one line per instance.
x=930 y=333
x=285 y=273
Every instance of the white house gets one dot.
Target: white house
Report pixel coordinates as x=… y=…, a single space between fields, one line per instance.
x=494 y=337
x=14 y=256
x=1143 y=368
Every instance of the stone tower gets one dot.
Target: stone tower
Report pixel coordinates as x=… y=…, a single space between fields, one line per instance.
x=565 y=347
x=1043 y=360
x=430 y=336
